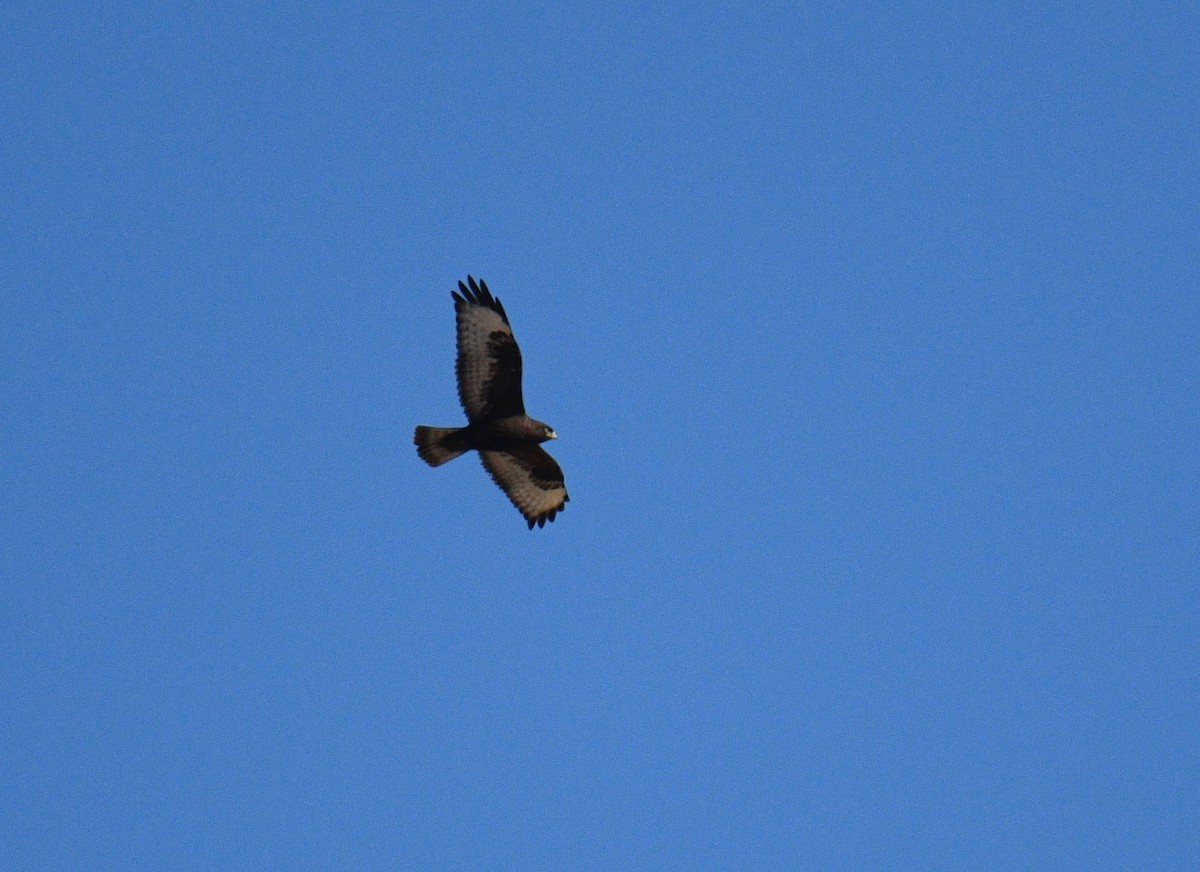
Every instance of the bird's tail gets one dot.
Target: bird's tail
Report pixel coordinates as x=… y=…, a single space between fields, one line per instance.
x=437 y=445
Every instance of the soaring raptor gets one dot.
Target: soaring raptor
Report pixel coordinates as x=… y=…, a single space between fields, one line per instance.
x=489 y=388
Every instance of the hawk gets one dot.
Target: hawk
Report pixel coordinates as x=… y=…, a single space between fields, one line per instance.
x=489 y=389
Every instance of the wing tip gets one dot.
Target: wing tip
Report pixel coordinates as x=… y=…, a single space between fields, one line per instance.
x=547 y=516
x=476 y=293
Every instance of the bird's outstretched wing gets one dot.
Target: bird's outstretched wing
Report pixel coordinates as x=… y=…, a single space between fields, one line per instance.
x=532 y=479
x=489 y=361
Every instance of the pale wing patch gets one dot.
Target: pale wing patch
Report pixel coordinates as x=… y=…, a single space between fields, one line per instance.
x=532 y=480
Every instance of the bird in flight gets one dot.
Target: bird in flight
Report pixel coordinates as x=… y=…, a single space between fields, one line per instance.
x=489 y=389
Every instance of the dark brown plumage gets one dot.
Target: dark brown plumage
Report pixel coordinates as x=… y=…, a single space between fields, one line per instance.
x=489 y=388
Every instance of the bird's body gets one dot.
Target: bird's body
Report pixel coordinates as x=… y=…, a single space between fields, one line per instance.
x=436 y=445
x=488 y=369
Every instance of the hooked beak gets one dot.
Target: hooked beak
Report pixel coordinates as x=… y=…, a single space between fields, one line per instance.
x=552 y=435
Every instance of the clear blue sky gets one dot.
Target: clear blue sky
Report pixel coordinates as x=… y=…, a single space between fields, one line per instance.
x=871 y=333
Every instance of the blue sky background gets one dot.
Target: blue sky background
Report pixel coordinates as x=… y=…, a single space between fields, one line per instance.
x=870 y=332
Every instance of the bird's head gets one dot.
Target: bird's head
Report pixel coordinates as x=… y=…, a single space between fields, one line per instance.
x=544 y=431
